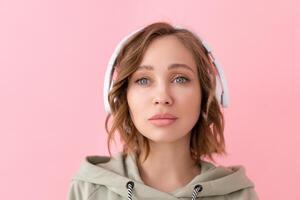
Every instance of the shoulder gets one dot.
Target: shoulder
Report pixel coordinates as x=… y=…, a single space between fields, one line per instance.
x=231 y=180
x=245 y=194
x=79 y=189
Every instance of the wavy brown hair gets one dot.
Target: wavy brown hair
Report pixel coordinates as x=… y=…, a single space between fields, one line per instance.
x=207 y=134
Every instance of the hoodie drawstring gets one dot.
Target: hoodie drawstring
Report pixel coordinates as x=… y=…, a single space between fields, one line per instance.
x=130 y=184
x=129 y=187
x=197 y=188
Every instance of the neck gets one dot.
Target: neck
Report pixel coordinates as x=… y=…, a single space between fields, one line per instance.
x=172 y=161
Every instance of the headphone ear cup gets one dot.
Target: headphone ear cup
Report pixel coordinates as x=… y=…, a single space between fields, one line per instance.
x=105 y=96
x=218 y=91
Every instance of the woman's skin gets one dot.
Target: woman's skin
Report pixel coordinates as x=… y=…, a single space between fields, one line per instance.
x=160 y=90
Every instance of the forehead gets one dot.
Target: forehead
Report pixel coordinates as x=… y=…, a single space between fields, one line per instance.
x=167 y=53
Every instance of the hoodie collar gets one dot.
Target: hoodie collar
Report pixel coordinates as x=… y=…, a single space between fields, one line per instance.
x=116 y=171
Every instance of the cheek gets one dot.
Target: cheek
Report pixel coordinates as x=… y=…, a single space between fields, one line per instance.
x=135 y=103
x=189 y=103
x=189 y=95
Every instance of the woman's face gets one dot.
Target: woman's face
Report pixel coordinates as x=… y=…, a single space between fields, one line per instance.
x=157 y=89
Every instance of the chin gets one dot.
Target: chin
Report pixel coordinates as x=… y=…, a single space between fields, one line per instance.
x=164 y=136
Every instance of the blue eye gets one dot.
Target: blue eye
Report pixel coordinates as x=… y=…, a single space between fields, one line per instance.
x=181 y=78
x=185 y=79
x=139 y=80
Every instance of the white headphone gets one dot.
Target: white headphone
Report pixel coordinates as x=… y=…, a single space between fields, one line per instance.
x=221 y=89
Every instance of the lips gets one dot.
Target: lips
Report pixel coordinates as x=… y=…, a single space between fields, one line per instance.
x=163 y=116
x=162 y=122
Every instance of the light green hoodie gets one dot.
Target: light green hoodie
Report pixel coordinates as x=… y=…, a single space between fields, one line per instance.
x=105 y=178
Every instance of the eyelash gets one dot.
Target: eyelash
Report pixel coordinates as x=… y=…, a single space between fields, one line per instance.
x=186 y=79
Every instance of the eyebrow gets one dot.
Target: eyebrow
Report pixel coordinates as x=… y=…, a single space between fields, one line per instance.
x=172 y=66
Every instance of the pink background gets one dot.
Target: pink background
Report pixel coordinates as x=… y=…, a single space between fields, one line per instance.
x=53 y=56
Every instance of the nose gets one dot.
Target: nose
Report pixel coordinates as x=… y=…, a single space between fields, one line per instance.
x=162 y=101
x=162 y=96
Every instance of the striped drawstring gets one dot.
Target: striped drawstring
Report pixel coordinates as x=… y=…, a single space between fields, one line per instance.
x=197 y=188
x=130 y=184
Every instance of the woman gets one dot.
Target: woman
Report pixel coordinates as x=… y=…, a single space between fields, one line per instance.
x=164 y=106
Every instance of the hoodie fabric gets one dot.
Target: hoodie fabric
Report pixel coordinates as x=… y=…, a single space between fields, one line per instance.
x=117 y=177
